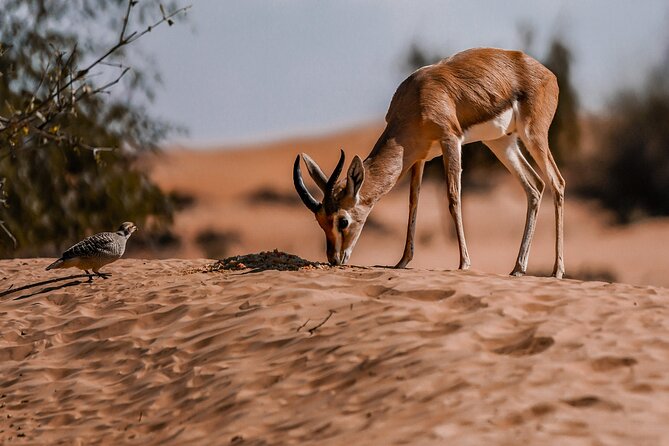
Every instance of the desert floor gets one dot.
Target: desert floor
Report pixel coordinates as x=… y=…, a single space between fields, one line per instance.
x=163 y=353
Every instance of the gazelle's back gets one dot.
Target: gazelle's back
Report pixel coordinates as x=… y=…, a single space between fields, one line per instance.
x=483 y=82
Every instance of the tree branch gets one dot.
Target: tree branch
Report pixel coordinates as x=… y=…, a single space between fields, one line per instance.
x=9 y=233
x=81 y=74
x=131 y=3
x=166 y=18
x=35 y=120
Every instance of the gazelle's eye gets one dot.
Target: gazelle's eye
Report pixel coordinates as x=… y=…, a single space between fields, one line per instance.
x=342 y=224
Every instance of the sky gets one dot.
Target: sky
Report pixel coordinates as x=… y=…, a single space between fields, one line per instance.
x=242 y=71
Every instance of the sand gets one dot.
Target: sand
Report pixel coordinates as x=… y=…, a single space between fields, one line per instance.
x=253 y=351
x=163 y=353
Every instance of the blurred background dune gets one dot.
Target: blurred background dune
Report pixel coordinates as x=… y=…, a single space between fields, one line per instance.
x=204 y=157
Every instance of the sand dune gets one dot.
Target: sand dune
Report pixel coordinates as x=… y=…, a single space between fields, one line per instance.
x=163 y=354
x=181 y=352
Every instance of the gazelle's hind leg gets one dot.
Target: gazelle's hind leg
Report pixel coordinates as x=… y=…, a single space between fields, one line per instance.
x=507 y=151
x=544 y=159
x=534 y=123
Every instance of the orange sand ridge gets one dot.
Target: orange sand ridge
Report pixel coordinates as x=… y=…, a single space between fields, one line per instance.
x=163 y=354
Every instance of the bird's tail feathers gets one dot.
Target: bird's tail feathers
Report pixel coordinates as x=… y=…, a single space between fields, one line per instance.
x=57 y=264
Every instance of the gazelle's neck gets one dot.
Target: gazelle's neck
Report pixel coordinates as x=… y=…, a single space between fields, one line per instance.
x=383 y=167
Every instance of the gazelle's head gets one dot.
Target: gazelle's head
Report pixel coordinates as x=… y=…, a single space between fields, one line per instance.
x=340 y=214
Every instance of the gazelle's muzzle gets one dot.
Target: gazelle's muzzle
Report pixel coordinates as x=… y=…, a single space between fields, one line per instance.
x=336 y=259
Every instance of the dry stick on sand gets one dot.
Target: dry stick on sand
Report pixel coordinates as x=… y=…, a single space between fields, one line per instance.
x=313 y=329
x=302 y=326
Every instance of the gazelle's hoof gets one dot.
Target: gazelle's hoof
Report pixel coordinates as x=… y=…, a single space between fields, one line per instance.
x=401 y=264
x=558 y=274
x=517 y=273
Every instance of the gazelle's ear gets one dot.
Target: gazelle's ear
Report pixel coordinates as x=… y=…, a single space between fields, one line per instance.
x=355 y=177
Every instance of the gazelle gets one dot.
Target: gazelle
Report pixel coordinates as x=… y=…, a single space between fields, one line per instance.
x=484 y=94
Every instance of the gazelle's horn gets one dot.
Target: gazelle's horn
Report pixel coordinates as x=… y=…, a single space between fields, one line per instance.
x=315 y=172
x=301 y=189
x=335 y=174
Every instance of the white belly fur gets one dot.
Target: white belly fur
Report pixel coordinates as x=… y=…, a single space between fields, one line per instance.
x=500 y=125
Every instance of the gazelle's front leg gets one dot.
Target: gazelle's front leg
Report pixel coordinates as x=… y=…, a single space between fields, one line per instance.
x=416 y=178
x=452 y=150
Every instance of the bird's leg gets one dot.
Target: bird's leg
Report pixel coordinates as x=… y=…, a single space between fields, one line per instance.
x=90 y=276
x=103 y=275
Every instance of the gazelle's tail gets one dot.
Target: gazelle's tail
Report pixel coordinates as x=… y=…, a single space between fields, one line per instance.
x=55 y=265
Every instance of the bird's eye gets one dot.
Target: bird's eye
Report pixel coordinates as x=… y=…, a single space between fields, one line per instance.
x=342 y=224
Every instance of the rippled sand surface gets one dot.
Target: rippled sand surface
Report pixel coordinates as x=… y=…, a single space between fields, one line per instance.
x=163 y=354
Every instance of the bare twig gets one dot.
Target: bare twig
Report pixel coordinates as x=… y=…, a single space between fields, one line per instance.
x=4 y=48
x=9 y=233
x=69 y=139
x=110 y=84
x=82 y=73
x=97 y=150
x=112 y=64
x=41 y=82
x=313 y=329
x=129 y=39
x=69 y=60
x=166 y=18
x=302 y=326
x=131 y=3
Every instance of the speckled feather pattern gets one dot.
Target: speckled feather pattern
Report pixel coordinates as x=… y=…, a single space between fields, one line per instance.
x=104 y=244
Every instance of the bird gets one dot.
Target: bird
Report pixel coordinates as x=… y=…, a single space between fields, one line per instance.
x=96 y=251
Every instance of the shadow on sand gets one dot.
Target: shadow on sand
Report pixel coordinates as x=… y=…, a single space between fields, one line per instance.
x=46 y=289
